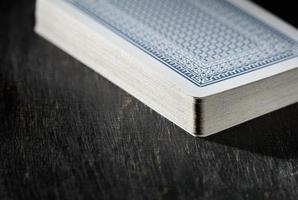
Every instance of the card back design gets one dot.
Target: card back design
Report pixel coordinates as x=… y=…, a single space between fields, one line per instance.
x=205 y=41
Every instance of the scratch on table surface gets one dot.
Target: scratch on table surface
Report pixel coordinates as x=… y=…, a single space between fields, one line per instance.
x=286 y=175
x=126 y=101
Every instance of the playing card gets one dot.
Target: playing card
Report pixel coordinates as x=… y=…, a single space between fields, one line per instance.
x=214 y=45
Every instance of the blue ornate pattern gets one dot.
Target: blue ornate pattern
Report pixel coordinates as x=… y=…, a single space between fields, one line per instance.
x=206 y=41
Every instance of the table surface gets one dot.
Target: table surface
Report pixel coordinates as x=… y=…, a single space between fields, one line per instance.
x=68 y=133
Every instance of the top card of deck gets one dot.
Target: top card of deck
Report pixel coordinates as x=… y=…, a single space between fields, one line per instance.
x=206 y=42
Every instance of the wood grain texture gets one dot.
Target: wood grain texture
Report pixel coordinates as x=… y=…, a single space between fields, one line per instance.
x=68 y=133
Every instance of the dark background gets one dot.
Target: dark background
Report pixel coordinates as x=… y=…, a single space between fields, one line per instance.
x=68 y=133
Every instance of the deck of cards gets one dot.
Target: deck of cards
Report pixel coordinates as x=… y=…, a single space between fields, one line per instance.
x=205 y=65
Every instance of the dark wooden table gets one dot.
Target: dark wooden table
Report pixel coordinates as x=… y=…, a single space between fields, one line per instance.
x=68 y=133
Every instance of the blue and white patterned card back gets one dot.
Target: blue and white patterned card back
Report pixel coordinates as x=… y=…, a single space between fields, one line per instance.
x=205 y=41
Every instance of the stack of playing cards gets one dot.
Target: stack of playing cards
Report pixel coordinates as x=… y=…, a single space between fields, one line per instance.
x=205 y=65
